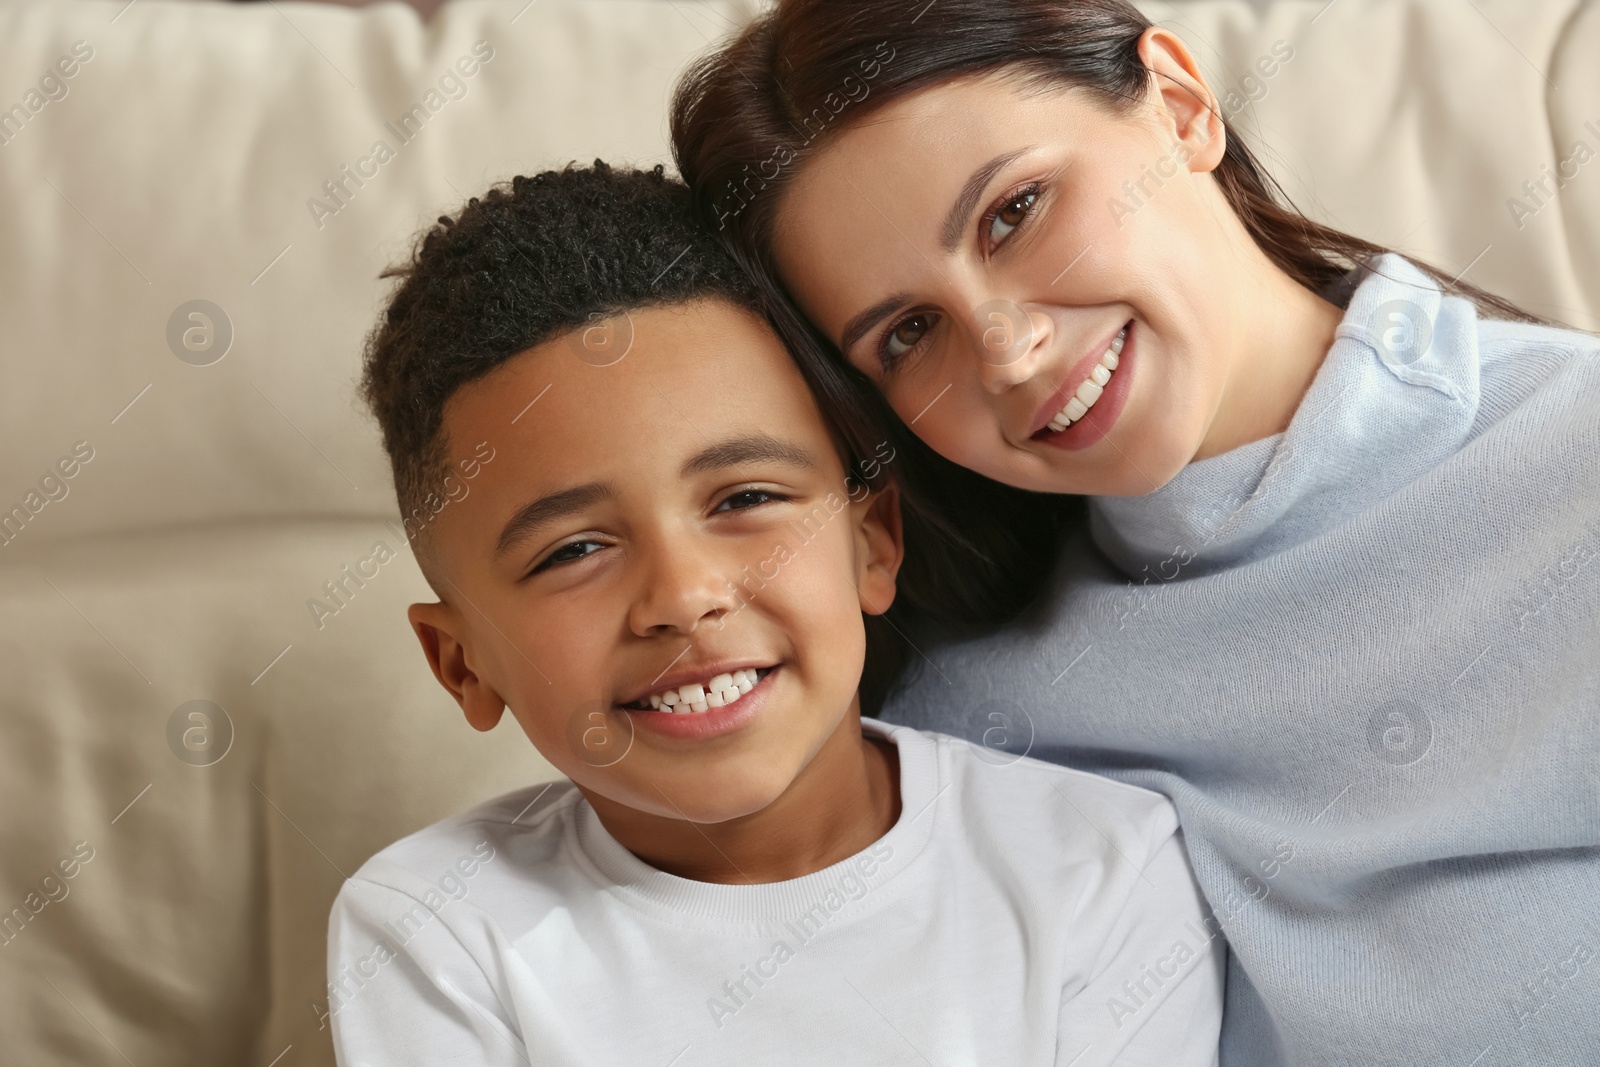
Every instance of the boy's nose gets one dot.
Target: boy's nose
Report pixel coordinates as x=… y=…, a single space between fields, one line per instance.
x=680 y=589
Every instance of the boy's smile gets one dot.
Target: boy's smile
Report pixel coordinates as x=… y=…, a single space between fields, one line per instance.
x=663 y=576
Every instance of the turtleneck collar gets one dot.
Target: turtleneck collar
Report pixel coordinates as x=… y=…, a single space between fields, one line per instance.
x=1396 y=394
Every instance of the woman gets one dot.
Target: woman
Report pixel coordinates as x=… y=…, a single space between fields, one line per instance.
x=1336 y=591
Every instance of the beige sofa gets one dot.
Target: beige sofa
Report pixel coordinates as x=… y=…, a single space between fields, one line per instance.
x=193 y=755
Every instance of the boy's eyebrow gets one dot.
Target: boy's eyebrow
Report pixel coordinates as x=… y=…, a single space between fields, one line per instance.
x=751 y=448
x=530 y=518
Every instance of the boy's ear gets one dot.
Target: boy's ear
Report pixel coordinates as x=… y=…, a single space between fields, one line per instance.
x=880 y=548
x=440 y=629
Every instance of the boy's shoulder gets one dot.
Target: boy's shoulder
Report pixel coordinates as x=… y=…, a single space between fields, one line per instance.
x=514 y=839
x=1012 y=795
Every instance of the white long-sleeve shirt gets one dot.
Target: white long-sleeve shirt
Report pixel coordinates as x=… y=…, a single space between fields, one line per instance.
x=1016 y=913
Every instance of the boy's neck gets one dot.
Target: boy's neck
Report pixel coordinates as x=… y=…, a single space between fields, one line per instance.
x=846 y=798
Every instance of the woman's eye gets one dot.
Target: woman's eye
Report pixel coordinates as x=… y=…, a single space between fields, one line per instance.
x=747 y=498
x=905 y=336
x=567 y=553
x=1011 y=214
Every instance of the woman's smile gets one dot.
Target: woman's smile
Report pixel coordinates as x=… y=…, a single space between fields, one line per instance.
x=1086 y=406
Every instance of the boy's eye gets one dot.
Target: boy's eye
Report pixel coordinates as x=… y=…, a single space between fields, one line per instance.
x=567 y=553
x=905 y=336
x=1011 y=212
x=747 y=498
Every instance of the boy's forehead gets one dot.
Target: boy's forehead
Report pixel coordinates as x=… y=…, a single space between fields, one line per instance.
x=637 y=387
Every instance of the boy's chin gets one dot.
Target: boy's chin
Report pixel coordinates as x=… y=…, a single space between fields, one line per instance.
x=710 y=797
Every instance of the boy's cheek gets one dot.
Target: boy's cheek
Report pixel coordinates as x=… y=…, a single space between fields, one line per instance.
x=815 y=603
x=555 y=677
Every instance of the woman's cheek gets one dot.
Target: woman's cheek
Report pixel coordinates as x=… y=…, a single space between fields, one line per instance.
x=961 y=429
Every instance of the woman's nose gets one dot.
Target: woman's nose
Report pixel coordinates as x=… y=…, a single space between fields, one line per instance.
x=1007 y=340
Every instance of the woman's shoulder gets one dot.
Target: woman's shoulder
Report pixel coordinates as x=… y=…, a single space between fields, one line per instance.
x=1504 y=340
x=1525 y=366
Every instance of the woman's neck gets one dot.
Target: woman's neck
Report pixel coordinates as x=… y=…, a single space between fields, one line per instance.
x=844 y=799
x=1283 y=332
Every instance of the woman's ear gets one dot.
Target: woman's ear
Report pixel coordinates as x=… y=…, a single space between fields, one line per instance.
x=880 y=548
x=1187 y=107
x=440 y=629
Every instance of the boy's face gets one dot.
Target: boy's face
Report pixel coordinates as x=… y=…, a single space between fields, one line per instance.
x=650 y=523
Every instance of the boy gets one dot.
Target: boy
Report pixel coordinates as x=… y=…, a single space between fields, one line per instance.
x=662 y=567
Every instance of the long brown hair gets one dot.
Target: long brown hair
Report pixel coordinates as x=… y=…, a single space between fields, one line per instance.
x=746 y=118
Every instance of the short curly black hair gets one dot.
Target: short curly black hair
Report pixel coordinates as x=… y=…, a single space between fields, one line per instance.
x=532 y=259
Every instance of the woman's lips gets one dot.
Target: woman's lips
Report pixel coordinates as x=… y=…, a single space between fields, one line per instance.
x=713 y=721
x=1099 y=419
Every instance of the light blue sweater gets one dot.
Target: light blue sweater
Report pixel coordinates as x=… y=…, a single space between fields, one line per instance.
x=1363 y=659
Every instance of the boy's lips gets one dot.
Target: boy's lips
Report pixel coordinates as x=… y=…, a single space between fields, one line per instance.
x=698 y=725
x=688 y=675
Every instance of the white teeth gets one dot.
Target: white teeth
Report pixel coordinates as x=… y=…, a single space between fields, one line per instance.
x=718 y=692
x=1093 y=386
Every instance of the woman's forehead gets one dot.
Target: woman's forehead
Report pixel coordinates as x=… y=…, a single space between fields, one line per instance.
x=921 y=149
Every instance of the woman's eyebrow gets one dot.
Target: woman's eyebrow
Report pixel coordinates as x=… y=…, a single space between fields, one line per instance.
x=858 y=326
x=956 y=221
x=949 y=237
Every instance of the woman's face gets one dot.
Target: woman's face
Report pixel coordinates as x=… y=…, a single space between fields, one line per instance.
x=979 y=248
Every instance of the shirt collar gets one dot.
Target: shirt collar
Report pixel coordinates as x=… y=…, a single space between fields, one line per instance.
x=1396 y=394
